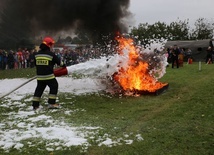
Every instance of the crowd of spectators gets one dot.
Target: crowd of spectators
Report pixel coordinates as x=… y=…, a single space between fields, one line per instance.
x=82 y=54
x=183 y=52
x=24 y=58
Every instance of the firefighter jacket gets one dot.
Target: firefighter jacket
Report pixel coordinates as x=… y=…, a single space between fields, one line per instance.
x=45 y=61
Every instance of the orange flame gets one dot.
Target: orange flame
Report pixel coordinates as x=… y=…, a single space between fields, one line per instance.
x=136 y=76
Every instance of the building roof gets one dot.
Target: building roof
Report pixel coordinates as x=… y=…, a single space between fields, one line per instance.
x=192 y=44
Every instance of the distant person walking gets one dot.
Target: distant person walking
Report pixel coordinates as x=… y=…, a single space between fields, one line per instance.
x=175 y=53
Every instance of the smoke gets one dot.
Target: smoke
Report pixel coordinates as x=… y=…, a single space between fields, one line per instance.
x=95 y=16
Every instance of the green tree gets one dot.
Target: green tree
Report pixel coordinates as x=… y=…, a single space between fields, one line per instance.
x=203 y=29
x=178 y=30
x=158 y=30
x=141 y=31
x=145 y=32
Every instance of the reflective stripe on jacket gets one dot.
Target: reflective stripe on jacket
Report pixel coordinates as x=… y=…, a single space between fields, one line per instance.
x=45 y=61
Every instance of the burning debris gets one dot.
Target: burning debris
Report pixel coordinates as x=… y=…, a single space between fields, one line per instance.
x=141 y=73
x=128 y=71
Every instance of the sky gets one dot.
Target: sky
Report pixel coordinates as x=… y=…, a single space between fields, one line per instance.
x=168 y=11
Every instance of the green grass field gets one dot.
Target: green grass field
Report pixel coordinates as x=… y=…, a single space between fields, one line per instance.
x=177 y=122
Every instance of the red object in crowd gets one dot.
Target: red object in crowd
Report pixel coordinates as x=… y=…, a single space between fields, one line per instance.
x=189 y=61
x=20 y=56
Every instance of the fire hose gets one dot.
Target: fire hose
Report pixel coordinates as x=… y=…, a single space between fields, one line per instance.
x=57 y=72
x=18 y=87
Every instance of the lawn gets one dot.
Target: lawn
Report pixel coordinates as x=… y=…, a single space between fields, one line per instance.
x=178 y=121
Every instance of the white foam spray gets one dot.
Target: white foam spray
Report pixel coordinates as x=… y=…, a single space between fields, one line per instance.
x=153 y=53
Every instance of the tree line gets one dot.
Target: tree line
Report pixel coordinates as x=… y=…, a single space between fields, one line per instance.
x=178 y=30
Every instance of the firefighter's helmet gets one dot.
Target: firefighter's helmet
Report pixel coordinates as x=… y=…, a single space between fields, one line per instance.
x=48 y=41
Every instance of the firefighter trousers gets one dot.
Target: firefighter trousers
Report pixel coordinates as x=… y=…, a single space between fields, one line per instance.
x=41 y=85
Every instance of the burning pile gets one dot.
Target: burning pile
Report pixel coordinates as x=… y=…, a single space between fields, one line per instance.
x=140 y=75
x=132 y=70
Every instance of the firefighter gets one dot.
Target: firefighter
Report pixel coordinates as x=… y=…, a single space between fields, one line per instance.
x=44 y=61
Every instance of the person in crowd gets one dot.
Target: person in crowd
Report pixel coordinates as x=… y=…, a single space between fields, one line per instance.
x=15 y=60
x=209 y=59
x=27 y=54
x=169 y=50
x=175 y=53
x=189 y=52
x=181 y=57
x=4 y=63
x=10 y=60
x=31 y=59
x=74 y=57
x=20 y=58
x=45 y=60
x=67 y=57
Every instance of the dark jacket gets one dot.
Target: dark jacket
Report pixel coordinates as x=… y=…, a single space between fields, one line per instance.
x=45 y=61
